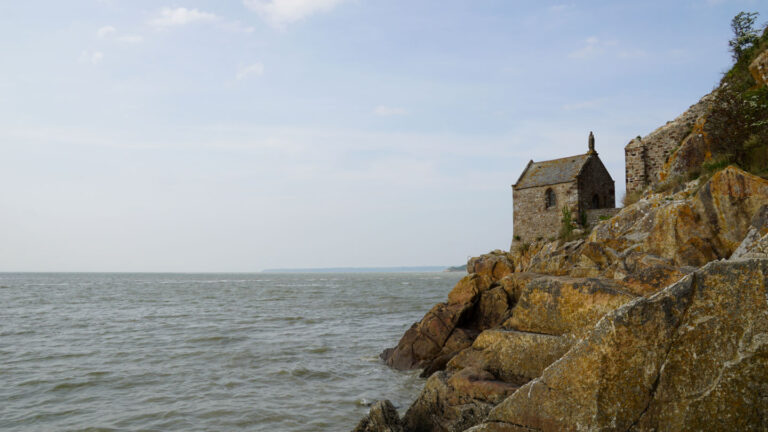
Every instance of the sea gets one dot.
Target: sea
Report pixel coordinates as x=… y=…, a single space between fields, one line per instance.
x=205 y=352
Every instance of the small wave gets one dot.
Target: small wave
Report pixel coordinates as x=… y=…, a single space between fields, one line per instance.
x=33 y=382
x=217 y=413
x=216 y=339
x=302 y=372
x=319 y=350
x=71 y=386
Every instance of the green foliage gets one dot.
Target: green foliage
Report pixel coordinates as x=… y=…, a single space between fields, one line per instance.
x=716 y=165
x=517 y=238
x=604 y=217
x=566 y=227
x=673 y=184
x=631 y=198
x=737 y=125
x=744 y=33
x=523 y=247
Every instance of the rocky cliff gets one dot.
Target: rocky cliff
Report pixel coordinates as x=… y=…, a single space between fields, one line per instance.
x=657 y=319
x=642 y=325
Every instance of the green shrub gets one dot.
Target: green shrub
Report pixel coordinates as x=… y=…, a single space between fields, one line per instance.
x=716 y=164
x=737 y=124
x=566 y=227
x=631 y=198
x=669 y=185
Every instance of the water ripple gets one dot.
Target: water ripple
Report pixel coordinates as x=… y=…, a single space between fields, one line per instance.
x=108 y=352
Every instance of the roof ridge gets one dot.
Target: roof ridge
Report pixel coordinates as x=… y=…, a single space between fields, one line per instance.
x=552 y=171
x=563 y=158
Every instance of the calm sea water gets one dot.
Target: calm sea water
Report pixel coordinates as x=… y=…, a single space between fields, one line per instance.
x=215 y=352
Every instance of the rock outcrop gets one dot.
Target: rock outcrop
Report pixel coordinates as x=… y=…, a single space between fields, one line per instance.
x=692 y=357
x=759 y=69
x=382 y=417
x=617 y=330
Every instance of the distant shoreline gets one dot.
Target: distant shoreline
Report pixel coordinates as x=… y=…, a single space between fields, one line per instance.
x=416 y=269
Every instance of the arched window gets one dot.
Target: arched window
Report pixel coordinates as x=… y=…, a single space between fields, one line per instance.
x=549 y=198
x=596 y=201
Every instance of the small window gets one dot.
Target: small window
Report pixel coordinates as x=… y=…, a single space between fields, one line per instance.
x=549 y=198
x=596 y=201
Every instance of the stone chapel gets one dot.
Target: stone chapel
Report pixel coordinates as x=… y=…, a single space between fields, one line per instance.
x=581 y=183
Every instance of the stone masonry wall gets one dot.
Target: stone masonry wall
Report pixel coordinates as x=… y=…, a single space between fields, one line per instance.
x=531 y=217
x=645 y=157
x=634 y=160
x=595 y=180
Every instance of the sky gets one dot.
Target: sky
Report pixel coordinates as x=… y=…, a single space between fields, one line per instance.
x=240 y=135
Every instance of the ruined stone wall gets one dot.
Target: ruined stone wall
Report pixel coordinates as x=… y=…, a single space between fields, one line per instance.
x=531 y=217
x=645 y=157
x=634 y=160
x=595 y=180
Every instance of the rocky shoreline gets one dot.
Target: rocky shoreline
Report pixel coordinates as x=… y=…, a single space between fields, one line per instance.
x=656 y=319
x=643 y=325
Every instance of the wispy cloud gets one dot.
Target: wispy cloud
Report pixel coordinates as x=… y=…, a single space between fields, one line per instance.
x=109 y=32
x=281 y=12
x=387 y=111
x=105 y=32
x=92 y=57
x=131 y=38
x=632 y=54
x=592 y=47
x=175 y=17
x=255 y=69
x=560 y=8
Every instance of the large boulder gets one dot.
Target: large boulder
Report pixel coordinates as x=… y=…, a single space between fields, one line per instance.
x=696 y=225
x=513 y=356
x=455 y=402
x=558 y=305
x=692 y=357
x=478 y=301
x=382 y=417
x=425 y=340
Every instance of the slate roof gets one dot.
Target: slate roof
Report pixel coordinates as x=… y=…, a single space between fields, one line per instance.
x=552 y=171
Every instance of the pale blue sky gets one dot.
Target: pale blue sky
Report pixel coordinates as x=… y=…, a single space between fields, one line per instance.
x=239 y=135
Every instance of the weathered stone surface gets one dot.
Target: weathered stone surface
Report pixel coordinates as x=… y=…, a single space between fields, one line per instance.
x=491 y=309
x=500 y=427
x=477 y=302
x=558 y=305
x=694 y=150
x=645 y=157
x=494 y=265
x=425 y=340
x=381 y=418
x=759 y=68
x=689 y=228
x=512 y=356
x=455 y=403
x=757 y=250
x=692 y=357
x=728 y=203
